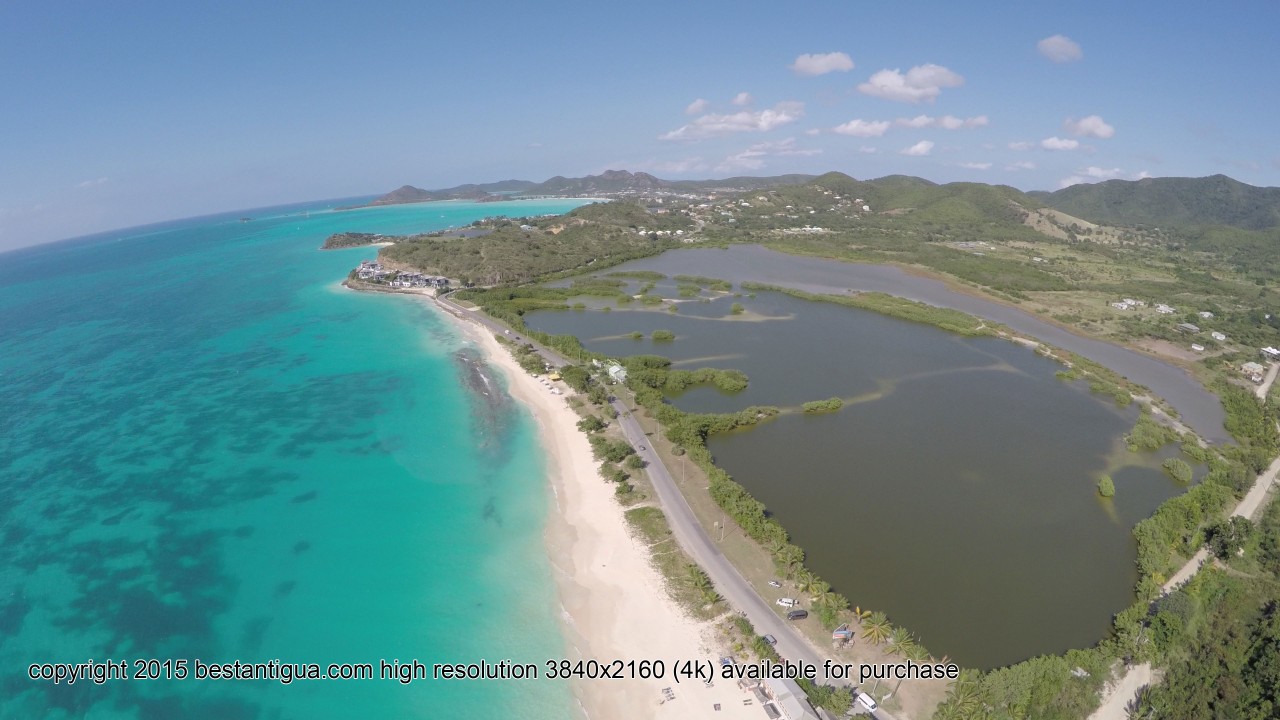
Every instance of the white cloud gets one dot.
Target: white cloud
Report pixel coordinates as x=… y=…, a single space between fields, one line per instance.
x=697 y=106
x=1021 y=145
x=946 y=122
x=1060 y=49
x=714 y=125
x=93 y=183
x=1089 y=175
x=921 y=148
x=1057 y=143
x=862 y=128
x=741 y=99
x=1142 y=175
x=753 y=157
x=821 y=64
x=976 y=165
x=923 y=82
x=1021 y=165
x=1092 y=126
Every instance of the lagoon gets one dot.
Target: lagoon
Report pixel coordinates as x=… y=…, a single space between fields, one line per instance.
x=956 y=489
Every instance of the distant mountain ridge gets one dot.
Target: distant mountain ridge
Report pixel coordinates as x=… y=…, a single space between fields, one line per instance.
x=609 y=181
x=1170 y=202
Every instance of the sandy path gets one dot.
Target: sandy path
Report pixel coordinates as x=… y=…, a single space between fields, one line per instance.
x=1262 y=390
x=613 y=600
x=1125 y=690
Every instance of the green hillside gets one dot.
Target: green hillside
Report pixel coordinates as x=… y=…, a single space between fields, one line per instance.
x=1171 y=203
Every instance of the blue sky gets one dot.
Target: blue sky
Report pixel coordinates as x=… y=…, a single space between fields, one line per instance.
x=118 y=114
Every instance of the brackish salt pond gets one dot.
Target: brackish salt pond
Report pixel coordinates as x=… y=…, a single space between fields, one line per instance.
x=956 y=489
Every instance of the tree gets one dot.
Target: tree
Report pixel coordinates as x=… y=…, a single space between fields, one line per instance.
x=818 y=588
x=1106 y=488
x=1227 y=537
x=591 y=424
x=737 y=309
x=663 y=336
x=876 y=628
x=899 y=641
x=916 y=654
x=805 y=580
x=1178 y=469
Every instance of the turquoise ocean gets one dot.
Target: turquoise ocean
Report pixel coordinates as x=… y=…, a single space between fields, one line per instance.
x=209 y=450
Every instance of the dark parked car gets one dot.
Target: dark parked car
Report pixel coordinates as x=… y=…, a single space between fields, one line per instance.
x=771 y=639
x=797 y=614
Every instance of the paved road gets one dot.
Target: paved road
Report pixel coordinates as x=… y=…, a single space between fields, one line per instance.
x=688 y=532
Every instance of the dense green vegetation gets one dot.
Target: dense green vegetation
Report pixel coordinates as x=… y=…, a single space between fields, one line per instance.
x=662 y=336
x=1220 y=641
x=1178 y=469
x=703 y=281
x=823 y=406
x=1147 y=434
x=595 y=235
x=1171 y=202
x=1106 y=486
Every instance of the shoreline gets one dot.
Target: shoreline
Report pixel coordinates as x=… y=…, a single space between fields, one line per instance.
x=613 y=605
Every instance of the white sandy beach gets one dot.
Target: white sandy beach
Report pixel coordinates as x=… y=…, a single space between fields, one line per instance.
x=614 y=604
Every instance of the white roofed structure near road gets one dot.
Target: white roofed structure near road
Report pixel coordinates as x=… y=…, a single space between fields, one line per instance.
x=790 y=700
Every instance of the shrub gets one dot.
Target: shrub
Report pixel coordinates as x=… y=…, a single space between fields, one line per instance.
x=663 y=335
x=823 y=406
x=1178 y=469
x=1106 y=488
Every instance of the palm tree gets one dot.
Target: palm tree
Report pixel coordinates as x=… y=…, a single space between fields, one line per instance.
x=804 y=580
x=963 y=699
x=876 y=628
x=914 y=652
x=899 y=640
x=790 y=557
x=860 y=615
x=817 y=588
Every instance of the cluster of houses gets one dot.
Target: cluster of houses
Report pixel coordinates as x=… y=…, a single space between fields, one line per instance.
x=373 y=272
x=1256 y=371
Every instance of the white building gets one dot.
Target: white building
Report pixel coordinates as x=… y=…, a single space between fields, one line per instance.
x=1164 y=309
x=1271 y=353
x=1218 y=336
x=1206 y=314
x=1197 y=348
x=790 y=700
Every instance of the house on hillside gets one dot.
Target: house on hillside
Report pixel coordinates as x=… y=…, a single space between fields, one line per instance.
x=1253 y=371
x=1218 y=336
x=1164 y=309
x=1270 y=353
x=1206 y=314
x=617 y=373
x=1187 y=328
x=1197 y=348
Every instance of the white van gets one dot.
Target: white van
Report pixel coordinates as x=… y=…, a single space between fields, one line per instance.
x=787 y=602
x=867 y=702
